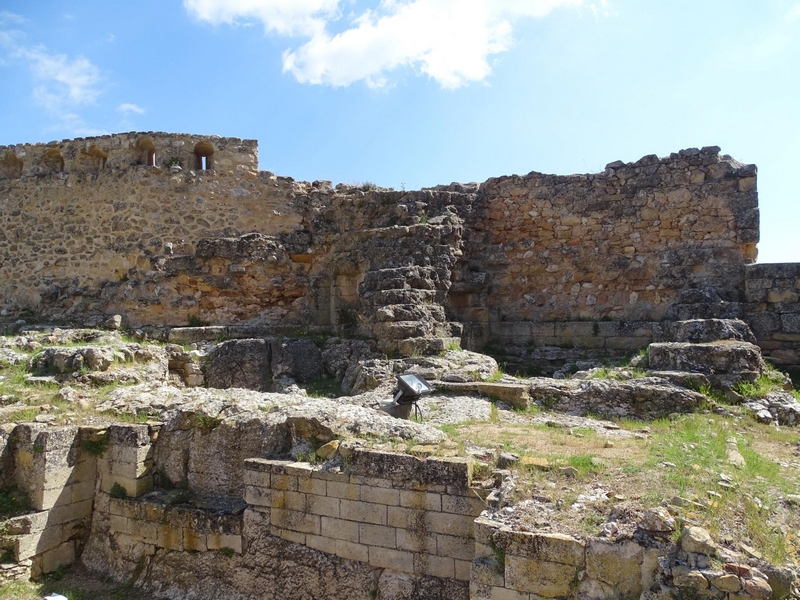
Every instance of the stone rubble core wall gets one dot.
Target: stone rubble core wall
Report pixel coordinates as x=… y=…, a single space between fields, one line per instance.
x=546 y=261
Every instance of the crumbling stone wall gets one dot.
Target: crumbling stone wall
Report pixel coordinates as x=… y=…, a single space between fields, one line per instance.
x=90 y=229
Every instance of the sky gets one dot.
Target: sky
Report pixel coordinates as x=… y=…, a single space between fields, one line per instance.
x=414 y=93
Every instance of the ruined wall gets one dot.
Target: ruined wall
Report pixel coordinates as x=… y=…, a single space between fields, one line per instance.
x=773 y=311
x=619 y=245
x=535 y=264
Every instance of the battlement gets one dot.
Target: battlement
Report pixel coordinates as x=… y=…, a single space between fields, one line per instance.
x=126 y=150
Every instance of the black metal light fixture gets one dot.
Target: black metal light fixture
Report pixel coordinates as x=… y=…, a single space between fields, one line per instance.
x=410 y=388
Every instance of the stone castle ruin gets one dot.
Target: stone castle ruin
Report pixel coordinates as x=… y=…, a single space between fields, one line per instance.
x=182 y=239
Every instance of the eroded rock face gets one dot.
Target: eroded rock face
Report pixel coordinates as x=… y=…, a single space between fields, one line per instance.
x=698 y=331
x=642 y=398
x=726 y=362
x=240 y=364
x=776 y=407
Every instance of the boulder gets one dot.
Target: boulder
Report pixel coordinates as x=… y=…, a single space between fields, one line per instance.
x=239 y=364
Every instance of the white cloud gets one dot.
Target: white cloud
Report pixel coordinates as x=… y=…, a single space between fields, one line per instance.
x=127 y=107
x=7 y=18
x=450 y=41
x=293 y=17
x=74 y=81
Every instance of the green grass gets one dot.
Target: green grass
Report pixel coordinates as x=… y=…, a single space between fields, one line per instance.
x=770 y=381
x=12 y=502
x=323 y=388
x=496 y=376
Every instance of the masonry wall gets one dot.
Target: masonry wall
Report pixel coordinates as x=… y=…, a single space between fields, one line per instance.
x=88 y=228
x=619 y=246
x=773 y=311
x=416 y=519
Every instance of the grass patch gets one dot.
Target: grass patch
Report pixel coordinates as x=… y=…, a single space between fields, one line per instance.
x=771 y=381
x=12 y=502
x=95 y=448
x=324 y=388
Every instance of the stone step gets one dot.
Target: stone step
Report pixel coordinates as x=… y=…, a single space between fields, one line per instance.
x=388 y=297
x=422 y=346
x=411 y=312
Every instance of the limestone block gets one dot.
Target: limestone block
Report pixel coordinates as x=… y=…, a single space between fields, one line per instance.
x=321 y=543
x=366 y=512
x=346 y=490
x=421 y=500
x=393 y=559
x=258 y=496
x=416 y=540
x=295 y=521
x=323 y=506
x=462 y=505
x=170 y=537
x=438 y=566
x=312 y=485
x=377 y=535
x=193 y=540
x=457 y=547
x=62 y=555
x=487 y=571
x=449 y=524
x=339 y=529
x=619 y=565
x=360 y=552
x=381 y=495
x=547 y=579
x=545 y=547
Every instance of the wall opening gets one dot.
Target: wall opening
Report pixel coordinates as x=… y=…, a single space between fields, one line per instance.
x=98 y=153
x=12 y=165
x=53 y=161
x=148 y=151
x=204 y=152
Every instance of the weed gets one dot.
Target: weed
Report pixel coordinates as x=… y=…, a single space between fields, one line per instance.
x=95 y=447
x=585 y=464
x=768 y=382
x=12 y=502
x=195 y=321
x=493 y=413
x=182 y=497
x=227 y=552
x=323 y=388
x=206 y=422
x=25 y=415
x=423 y=218
x=368 y=186
x=117 y=491
x=454 y=346
x=496 y=376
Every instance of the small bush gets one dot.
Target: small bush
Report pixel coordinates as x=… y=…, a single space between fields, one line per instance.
x=227 y=552
x=117 y=491
x=95 y=447
x=195 y=321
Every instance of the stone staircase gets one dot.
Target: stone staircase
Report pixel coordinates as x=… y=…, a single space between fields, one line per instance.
x=404 y=290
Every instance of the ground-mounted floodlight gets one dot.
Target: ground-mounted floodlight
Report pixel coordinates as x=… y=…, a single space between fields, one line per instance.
x=410 y=388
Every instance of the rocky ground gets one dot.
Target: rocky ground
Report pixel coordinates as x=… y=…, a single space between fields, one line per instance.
x=728 y=462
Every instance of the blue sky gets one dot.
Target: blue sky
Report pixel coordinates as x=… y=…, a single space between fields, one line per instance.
x=412 y=93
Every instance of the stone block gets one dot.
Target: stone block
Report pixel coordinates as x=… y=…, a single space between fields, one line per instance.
x=257 y=478
x=416 y=540
x=295 y=521
x=70 y=512
x=619 y=565
x=258 y=496
x=170 y=537
x=543 y=547
x=547 y=579
x=462 y=505
x=296 y=537
x=321 y=543
x=346 y=490
x=322 y=505
x=485 y=529
x=352 y=551
x=449 y=524
x=144 y=531
x=463 y=570
x=339 y=529
x=312 y=485
x=499 y=593
x=452 y=472
x=61 y=556
x=420 y=500
x=363 y=512
x=487 y=571
x=193 y=540
x=457 y=547
x=218 y=541
x=437 y=566
x=289 y=500
x=377 y=535
x=380 y=495
x=387 y=558
x=283 y=483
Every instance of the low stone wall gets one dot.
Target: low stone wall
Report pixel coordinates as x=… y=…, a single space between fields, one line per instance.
x=515 y=565
x=54 y=470
x=389 y=511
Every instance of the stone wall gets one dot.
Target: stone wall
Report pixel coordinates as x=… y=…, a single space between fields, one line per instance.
x=413 y=517
x=773 y=311
x=51 y=468
x=536 y=260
